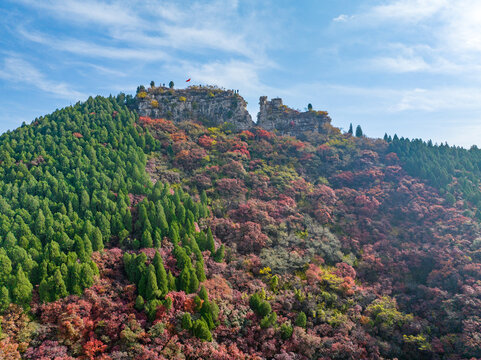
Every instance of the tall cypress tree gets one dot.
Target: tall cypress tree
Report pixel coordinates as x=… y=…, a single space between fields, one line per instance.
x=210 y=242
x=146 y=241
x=97 y=241
x=151 y=290
x=161 y=274
x=22 y=289
x=57 y=286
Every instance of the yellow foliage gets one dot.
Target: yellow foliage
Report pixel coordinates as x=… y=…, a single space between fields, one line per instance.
x=265 y=271
x=182 y=98
x=154 y=103
x=142 y=95
x=211 y=94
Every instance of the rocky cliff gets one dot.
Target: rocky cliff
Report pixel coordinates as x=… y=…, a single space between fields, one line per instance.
x=213 y=106
x=275 y=116
x=210 y=105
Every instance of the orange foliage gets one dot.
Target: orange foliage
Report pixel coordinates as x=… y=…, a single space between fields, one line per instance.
x=77 y=135
x=218 y=288
x=9 y=350
x=94 y=349
x=189 y=305
x=178 y=137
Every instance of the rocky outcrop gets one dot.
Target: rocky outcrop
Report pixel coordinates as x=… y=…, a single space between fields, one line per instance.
x=210 y=105
x=275 y=116
x=214 y=107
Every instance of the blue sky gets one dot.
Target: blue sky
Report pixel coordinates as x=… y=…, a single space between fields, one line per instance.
x=409 y=67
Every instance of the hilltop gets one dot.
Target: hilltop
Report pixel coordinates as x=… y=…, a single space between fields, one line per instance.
x=169 y=225
x=213 y=106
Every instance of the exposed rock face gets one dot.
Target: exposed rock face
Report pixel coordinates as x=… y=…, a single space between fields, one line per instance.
x=274 y=116
x=210 y=105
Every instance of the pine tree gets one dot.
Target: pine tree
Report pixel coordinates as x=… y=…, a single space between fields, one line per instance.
x=199 y=270
x=301 y=319
x=4 y=299
x=139 y=303
x=84 y=201
x=161 y=219
x=157 y=238
x=186 y=321
x=97 y=241
x=146 y=241
x=57 y=286
x=162 y=281
x=193 y=281
x=350 y=129
x=40 y=226
x=73 y=280
x=184 y=280
x=88 y=245
x=80 y=248
x=171 y=281
x=22 y=290
x=151 y=290
x=203 y=197
x=210 y=242
x=201 y=330
x=86 y=276
x=219 y=254
x=44 y=291
x=359 y=131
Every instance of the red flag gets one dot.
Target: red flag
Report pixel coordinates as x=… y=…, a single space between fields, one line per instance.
x=187 y=80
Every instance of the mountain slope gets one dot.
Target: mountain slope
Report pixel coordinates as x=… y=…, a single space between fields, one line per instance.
x=128 y=237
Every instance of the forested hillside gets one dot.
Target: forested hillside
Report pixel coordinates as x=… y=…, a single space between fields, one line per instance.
x=127 y=237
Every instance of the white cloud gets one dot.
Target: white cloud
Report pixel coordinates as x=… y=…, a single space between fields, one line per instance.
x=400 y=64
x=406 y=10
x=22 y=72
x=94 y=12
x=342 y=18
x=440 y=99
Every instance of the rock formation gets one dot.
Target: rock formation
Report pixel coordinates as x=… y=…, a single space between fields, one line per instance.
x=207 y=104
x=275 y=116
x=213 y=107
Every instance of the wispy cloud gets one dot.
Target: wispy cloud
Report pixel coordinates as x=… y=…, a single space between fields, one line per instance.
x=23 y=73
x=92 y=12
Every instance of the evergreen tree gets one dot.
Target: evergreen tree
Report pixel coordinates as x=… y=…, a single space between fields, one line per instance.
x=210 y=242
x=57 y=286
x=146 y=241
x=22 y=289
x=151 y=290
x=97 y=241
x=186 y=321
x=359 y=131
x=301 y=319
x=4 y=299
x=203 y=197
x=201 y=330
x=193 y=281
x=86 y=276
x=171 y=281
x=161 y=219
x=44 y=291
x=350 y=131
x=219 y=254
x=139 y=303
x=161 y=274
x=199 y=270
x=184 y=280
